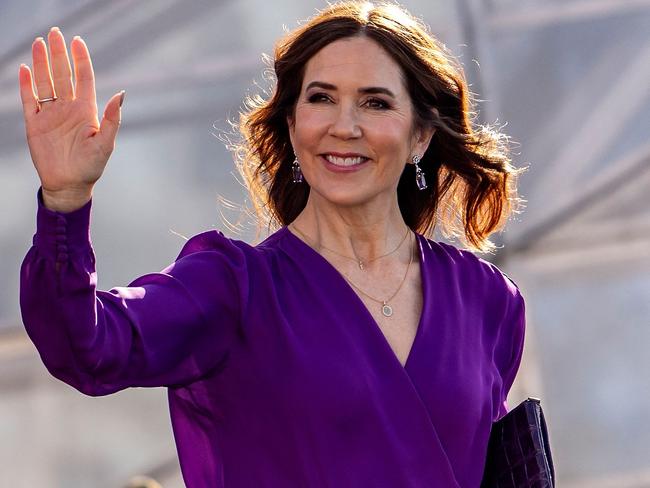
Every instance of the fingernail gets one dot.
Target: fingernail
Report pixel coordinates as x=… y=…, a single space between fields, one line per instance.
x=39 y=38
x=122 y=97
x=55 y=28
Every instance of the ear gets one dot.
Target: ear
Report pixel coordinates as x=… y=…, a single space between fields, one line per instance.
x=291 y=126
x=422 y=139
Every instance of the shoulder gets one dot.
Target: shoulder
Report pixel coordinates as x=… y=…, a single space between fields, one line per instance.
x=211 y=256
x=470 y=265
x=212 y=241
x=480 y=288
x=214 y=244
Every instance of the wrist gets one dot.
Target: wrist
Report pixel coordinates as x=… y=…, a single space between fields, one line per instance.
x=67 y=200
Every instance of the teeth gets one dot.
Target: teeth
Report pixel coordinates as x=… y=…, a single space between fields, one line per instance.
x=344 y=161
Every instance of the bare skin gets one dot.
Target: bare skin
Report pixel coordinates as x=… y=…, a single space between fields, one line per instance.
x=67 y=142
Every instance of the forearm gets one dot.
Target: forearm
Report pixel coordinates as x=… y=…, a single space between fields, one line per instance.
x=155 y=332
x=57 y=295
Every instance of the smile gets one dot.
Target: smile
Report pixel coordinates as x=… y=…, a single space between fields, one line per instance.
x=345 y=162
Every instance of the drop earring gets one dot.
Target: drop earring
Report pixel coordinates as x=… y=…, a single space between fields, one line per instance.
x=420 y=180
x=297 y=172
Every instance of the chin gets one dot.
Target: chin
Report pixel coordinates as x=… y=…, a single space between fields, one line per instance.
x=346 y=197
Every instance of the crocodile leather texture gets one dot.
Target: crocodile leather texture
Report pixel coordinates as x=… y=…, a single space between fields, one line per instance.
x=519 y=452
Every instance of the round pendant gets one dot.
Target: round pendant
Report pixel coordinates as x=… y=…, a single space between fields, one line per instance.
x=387 y=310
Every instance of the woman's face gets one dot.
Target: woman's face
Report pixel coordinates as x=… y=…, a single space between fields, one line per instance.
x=353 y=128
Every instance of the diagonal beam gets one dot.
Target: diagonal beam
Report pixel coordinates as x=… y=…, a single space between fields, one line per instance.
x=219 y=69
x=82 y=14
x=148 y=32
x=558 y=13
x=571 y=109
x=93 y=20
x=606 y=183
x=471 y=14
x=600 y=129
x=160 y=20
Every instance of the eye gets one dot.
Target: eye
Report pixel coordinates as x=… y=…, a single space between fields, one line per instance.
x=377 y=103
x=318 y=97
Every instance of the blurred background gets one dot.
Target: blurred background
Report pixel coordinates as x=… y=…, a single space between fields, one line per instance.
x=569 y=78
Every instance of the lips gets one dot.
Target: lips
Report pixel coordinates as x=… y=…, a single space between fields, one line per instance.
x=340 y=162
x=348 y=161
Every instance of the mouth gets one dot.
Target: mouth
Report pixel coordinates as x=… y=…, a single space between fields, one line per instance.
x=343 y=161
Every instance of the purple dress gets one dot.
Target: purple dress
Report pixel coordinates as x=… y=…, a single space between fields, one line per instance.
x=277 y=374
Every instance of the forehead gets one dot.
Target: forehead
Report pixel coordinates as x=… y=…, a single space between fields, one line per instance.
x=355 y=61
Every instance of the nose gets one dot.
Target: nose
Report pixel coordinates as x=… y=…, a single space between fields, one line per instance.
x=345 y=124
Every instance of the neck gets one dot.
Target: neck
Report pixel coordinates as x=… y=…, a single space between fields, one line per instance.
x=366 y=232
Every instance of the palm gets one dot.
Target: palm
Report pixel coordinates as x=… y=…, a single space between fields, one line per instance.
x=62 y=147
x=67 y=143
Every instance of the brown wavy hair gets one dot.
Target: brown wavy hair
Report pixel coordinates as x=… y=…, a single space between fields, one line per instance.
x=471 y=182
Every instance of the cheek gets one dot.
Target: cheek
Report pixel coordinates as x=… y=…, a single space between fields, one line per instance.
x=309 y=124
x=391 y=138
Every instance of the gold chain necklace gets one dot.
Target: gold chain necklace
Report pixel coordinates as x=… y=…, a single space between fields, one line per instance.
x=386 y=309
x=355 y=259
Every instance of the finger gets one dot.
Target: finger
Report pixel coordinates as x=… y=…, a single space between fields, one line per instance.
x=83 y=70
x=111 y=120
x=42 y=78
x=27 y=94
x=61 y=71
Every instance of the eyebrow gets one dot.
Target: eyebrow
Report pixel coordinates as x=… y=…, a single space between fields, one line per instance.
x=370 y=90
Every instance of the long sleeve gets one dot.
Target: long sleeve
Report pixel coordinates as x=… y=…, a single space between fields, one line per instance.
x=510 y=346
x=164 y=329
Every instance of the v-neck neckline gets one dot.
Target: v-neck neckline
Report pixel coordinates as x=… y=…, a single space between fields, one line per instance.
x=424 y=279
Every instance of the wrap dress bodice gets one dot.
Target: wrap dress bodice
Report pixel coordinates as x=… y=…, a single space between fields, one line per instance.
x=277 y=373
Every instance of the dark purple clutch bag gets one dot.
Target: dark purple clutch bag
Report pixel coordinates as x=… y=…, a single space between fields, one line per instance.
x=519 y=452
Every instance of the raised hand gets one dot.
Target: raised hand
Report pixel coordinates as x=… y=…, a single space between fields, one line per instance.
x=68 y=144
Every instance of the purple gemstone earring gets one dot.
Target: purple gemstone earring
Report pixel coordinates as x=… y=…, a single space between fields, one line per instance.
x=297 y=172
x=419 y=174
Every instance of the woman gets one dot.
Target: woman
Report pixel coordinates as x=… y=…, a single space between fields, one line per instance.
x=347 y=349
